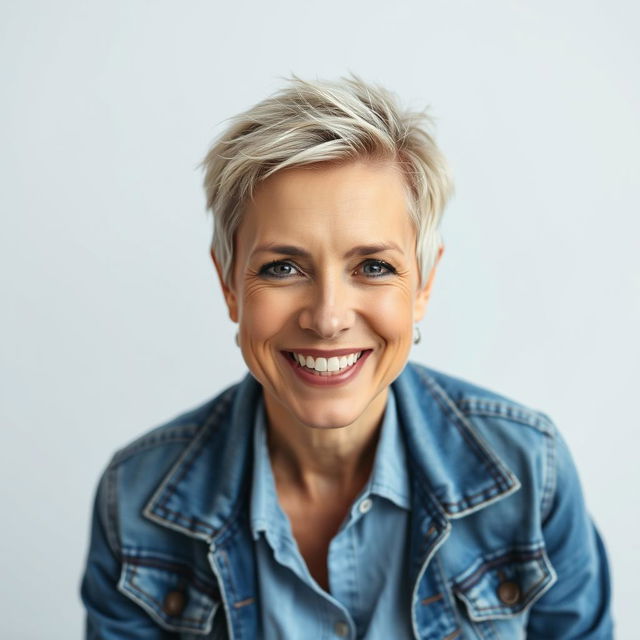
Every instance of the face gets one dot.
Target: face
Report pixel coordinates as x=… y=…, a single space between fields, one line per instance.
x=325 y=289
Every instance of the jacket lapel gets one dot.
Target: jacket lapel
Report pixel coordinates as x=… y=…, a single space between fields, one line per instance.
x=449 y=458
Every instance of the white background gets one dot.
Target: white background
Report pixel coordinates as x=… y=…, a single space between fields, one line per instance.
x=111 y=320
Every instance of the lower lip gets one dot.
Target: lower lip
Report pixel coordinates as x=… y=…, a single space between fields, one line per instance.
x=326 y=381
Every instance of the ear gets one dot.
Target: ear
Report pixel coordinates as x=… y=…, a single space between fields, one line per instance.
x=229 y=294
x=424 y=293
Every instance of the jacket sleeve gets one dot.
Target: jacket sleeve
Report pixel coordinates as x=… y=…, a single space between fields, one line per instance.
x=578 y=605
x=110 y=615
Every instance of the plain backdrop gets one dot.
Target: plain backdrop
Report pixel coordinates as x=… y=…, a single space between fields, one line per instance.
x=111 y=319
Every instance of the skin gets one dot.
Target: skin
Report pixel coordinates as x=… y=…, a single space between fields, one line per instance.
x=322 y=440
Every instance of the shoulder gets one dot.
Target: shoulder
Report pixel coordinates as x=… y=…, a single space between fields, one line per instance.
x=135 y=470
x=523 y=439
x=168 y=439
x=470 y=399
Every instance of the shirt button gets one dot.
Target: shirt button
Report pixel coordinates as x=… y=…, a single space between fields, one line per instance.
x=341 y=629
x=365 y=505
x=509 y=592
x=174 y=603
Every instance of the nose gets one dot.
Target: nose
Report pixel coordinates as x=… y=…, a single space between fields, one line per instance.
x=329 y=309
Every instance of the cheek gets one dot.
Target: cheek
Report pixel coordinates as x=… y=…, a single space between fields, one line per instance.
x=390 y=312
x=264 y=313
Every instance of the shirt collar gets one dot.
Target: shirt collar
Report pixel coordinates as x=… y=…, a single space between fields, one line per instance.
x=389 y=477
x=265 y=511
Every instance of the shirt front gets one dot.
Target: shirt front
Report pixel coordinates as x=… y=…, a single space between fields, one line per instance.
x=369 y=595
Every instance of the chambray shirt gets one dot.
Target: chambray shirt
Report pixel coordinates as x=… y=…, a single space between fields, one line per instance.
x=367 y=562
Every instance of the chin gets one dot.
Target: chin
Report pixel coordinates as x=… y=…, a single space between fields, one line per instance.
x=329 y=417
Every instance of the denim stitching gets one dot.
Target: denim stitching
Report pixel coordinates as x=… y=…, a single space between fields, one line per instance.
x=206 y=431
x=549 y=482
x=432 y=599
x=204 y=435
x=514 y=412
x=224 y=560
x=192 y=523
x=183 y=570
x=474 y=578
x=148 y=442
x=439 y=576
x=111 y=507
x=470 y=500
x=198 y=621
x=449 y=407
x=514 y=610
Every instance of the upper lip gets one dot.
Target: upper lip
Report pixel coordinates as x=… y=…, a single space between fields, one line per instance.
x=326 y=353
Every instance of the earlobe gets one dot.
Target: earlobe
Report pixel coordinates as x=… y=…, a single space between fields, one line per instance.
x=425 y=292
x=227 y=291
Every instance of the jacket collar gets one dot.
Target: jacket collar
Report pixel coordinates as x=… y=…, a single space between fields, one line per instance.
x=207 y=489
x=451 y=460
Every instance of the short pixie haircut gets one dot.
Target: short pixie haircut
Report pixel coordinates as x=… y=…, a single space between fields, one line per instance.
x=311 y=122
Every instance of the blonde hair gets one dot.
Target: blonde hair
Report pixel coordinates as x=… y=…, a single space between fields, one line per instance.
x=324 y=121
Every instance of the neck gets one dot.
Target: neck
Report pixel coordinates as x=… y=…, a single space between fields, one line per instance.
x=318 y=462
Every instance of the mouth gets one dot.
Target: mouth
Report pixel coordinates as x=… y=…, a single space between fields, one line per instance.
x=337 y=362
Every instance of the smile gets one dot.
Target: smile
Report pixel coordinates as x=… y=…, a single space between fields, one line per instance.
x=323 y=365
x=330 y=369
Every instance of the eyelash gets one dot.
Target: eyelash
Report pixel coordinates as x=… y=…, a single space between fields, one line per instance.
x=264 y=270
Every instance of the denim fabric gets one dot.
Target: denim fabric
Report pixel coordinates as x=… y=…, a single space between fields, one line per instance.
x=500 y=543
x=368 y=591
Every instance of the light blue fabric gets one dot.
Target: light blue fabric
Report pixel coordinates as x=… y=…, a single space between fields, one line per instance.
x=367 y=560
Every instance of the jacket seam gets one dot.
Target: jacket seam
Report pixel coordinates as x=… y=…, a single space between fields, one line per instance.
x=511 y=556
x=133 y=449
x=530 y=418
x=111 y=512
x=550 y=479
x=449 y=406
x=446 y=590
x=184 y=570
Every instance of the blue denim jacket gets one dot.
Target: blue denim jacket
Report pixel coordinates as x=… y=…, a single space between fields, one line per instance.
x=501 y=546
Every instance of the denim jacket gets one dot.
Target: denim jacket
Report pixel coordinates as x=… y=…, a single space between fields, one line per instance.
x=501 y=546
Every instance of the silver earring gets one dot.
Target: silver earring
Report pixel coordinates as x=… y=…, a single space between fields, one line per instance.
x=417 y=336
x=238 y=338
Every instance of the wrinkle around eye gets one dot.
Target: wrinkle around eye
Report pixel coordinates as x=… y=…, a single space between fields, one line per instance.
x=265 y=273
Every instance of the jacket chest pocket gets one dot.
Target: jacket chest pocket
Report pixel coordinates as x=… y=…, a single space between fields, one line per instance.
x=177 y=597
x=497 y=591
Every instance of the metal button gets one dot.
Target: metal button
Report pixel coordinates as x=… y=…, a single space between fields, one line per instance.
x=509 y=592
x=365 y=505
x=174 y=603
x=341 y=628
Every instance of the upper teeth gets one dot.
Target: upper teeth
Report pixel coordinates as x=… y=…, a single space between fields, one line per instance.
x=327 y=364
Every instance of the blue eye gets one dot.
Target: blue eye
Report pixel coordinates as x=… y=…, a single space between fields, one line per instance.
x=278 y=269
x=376 y=268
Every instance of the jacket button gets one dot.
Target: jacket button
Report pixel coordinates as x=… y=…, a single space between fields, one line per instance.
x=174 y=603
x=509 y=592
x=341 y=629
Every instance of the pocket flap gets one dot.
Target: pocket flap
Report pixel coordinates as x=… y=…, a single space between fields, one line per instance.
x=176 y=596
x=504 y=584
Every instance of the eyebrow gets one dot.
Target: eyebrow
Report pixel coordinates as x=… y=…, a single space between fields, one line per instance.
x=360 y=250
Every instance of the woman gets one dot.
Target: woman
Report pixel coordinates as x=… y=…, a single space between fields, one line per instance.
x=339 y=491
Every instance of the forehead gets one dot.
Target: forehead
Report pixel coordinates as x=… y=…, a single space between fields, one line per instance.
x=343 y=202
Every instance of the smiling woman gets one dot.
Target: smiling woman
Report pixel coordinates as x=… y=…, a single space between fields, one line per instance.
x=347 y=283
x=340 y=490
